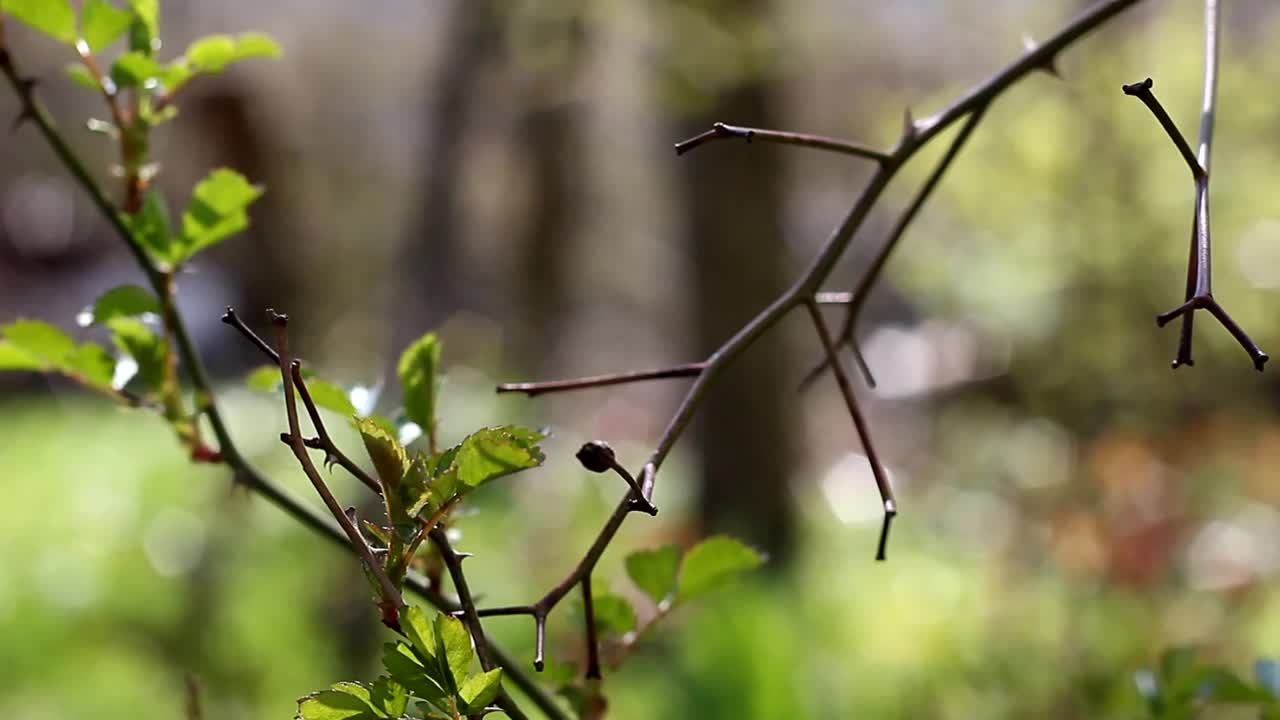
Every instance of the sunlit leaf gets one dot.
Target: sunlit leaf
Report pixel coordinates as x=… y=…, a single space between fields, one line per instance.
x=654 y=571
x=265 y=378
x=257 y=45
x=406 y=669
x=335 y=705
x=388 y=697
x=419 y=370
x=41 y=340
x=418 y=628
x=146 y=29
x=387 y=454
x=133 y=69
x=714 y=562
x=101 y=23
x=213 y=53
x=454 y=641
x=491 y=453
x=93 y=365
x=145 y=347
x=216 y=211
x=124 y=301
x=13 y=357
x=330 y=397
x=479 y=690
x=52 y=17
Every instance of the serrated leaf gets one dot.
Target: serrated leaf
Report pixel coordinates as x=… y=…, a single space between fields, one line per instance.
x=101 y=23
x=417 y=627
x=388 y=697
x=654 y=571
x=386 y=452
x=454 y=648
x=406 y=669
x=151 y=226
x=419 y=379
x=53 y=17
x=714 y=562
x=134 y=69
x=416 y=492
x=124 y=301
x=81 y=76
x=479 y=690
x=330 y=397
x=145 y=347
x=491 y=453
x=216 y=211
x=334 y=705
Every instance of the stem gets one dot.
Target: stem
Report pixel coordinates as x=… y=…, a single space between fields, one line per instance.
x=593 y=643
x=533 y=389
x=721 y=131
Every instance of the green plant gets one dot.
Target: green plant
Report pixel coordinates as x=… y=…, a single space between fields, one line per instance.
x=1184 y=686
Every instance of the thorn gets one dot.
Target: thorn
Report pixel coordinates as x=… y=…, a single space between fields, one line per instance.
x=909 y=128
x=286 y=438
x=24 y=115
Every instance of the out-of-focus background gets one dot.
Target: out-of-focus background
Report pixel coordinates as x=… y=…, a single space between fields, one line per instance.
x=502 y=172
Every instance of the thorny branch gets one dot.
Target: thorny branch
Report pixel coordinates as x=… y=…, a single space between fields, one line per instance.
x=245 y=474
x=1199 y=292
x=916 y=134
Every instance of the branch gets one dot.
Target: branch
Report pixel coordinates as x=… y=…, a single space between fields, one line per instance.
x=916 y=134
x=391 y=602
x=860 y=424
x=593 y=643
x=858 y=299
x=533 y=389
x=453 y=561
x=721 y=131
x=1199 y=290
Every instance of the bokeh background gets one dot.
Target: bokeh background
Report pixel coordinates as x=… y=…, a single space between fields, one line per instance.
x=501 y=171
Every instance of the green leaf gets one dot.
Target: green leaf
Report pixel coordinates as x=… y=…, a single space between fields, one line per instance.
x=454 y=643
x=336 y=704
x=419 y=370
x=40 y=340
x=386 y=452
x=713 y=562
x=388 y=697
x=417 y=627
x=330 y=397
x=216 y=211
x=654 y=571
x=145 y=347
x=134 y=69
x=265 y=378
x=13 y=357
x=52 y=17
x=614 y=615
x=81 y=76
x=491 y=453
x=152 y=226
x=145 y=33
x=406 y=669
x=479 y=690
x=124 y=301
x=101 y=23
x=92 y=364
x=212 y=53
x=257 y=45
x=1224 y=686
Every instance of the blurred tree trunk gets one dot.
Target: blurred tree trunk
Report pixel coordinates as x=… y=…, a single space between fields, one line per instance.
x=734 y=205
x=552 y=137
x=432 y=278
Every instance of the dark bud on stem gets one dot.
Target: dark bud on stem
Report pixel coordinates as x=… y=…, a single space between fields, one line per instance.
x=596 y=456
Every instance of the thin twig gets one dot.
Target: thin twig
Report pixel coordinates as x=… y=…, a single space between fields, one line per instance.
x=453 y=562
x=860 y=424
x=322 y=441
x=721 y=131
x=1199 y=289
x=916 y=134
x=391 y=602
x=533 y=389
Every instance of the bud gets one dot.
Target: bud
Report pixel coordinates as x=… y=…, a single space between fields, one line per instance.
x=596 y=456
